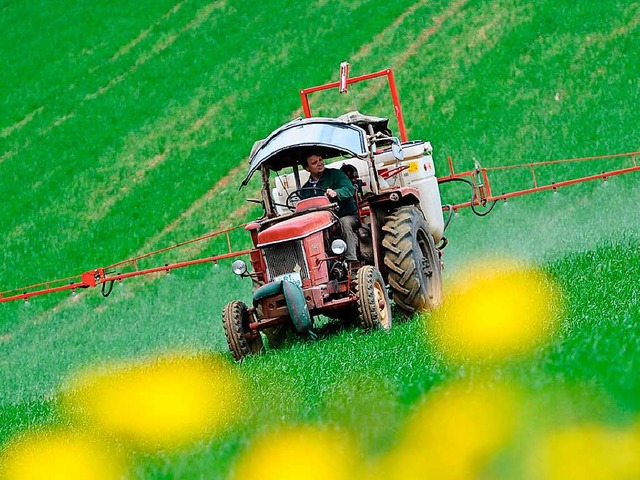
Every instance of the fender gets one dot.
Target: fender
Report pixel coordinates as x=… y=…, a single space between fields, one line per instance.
x=399 y=196
x=294 y=296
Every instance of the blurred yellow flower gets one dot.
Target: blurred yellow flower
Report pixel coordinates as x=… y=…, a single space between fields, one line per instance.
x=586 y=451
x=299 y=453
x=454 y=434
x=165 y=403
x=495 y=309
x=60 y=455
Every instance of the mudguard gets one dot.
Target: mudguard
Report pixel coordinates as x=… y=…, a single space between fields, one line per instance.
x=294 y=296
x=266 y=290
x=297 y=306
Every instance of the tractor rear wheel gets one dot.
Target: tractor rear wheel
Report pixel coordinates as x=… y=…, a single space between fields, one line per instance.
x=242 y=341
x=415 y=274
x=374 y=309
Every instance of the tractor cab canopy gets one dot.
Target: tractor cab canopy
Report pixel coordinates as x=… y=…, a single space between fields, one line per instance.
x=330 y=137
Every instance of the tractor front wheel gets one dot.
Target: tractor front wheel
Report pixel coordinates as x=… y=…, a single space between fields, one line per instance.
x=413 y=261
x=374 y=310
x=242 y=341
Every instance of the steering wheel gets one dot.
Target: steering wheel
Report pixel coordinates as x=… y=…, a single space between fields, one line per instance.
x=295 y=196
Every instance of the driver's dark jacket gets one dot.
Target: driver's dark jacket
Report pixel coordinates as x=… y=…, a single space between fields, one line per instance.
x=338 y=181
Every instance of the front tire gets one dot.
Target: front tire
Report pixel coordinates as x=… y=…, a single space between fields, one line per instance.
x=241 y=340
x=374 y=310
x=415 y=274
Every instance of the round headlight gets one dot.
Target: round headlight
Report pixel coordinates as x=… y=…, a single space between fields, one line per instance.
x=239 y=267
x=338 y=246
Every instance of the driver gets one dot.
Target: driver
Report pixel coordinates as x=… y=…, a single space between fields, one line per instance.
x=338 y=188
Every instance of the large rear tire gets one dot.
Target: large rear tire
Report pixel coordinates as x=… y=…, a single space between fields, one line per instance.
x=242 y=341
x=415 y=274
x=374 y=309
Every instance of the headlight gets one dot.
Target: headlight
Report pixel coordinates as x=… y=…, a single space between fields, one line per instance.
x=338 y=246
x=239 y=267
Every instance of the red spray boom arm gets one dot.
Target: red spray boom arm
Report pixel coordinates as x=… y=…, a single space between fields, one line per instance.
x=478 y=178
x=103 y=276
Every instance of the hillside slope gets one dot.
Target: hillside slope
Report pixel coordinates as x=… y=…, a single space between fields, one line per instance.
x=125 y=128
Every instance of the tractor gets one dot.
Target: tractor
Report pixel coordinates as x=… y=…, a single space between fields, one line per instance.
x=298 y=264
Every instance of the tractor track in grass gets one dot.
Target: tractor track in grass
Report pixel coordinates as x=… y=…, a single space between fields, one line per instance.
x=18 y=125
x=122 y=51
x=429 y=32
x=414 y=47
x=111 y=195
x=201 y=16
x=166 y=41
x=365 y=50
x=102 y=201
x=560 y=102
x=145 y=33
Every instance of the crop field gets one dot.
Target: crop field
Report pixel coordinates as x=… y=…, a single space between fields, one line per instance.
x=126 y=127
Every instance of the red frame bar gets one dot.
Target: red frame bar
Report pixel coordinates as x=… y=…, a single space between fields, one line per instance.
x=103 y=277
x=304 y=95
x=98 y=276
x=553 y=186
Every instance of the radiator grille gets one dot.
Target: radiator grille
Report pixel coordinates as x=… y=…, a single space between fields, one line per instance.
x=286 y=258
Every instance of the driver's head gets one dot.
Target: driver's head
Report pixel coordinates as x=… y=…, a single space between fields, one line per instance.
x=314 y=164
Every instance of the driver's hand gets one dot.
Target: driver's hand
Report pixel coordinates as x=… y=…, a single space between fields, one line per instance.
x=331 y=193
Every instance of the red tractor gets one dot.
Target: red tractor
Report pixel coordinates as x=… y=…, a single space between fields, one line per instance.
x=298 y=263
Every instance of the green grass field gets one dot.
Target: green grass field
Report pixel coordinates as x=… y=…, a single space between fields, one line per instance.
x=126 y=128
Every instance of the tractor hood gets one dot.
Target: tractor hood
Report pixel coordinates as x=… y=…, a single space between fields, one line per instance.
x=287 y=145
x=296 y=228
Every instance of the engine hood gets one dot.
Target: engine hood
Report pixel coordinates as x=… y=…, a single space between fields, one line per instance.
x=296 y=227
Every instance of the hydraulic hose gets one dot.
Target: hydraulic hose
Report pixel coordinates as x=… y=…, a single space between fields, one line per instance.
x=473 y=197
x=107 y=291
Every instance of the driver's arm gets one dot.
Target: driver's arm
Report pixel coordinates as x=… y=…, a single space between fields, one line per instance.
x=340 y=183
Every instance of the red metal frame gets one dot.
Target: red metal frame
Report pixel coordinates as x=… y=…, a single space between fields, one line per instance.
x=304 y=95
x=100 y=276
x=485 y=195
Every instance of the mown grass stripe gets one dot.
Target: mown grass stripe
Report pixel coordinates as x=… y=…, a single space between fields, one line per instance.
x=18 y=125
x=125 y=49
x=158 y=48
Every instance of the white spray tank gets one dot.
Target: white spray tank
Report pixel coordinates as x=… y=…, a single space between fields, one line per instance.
x=420 y=173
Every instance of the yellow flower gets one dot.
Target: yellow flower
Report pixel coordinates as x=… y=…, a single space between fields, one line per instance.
x=165 y=403
x=453 y=434
x=296 y=453
x=493 y=310
x=586 y=451
x=60 y=455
